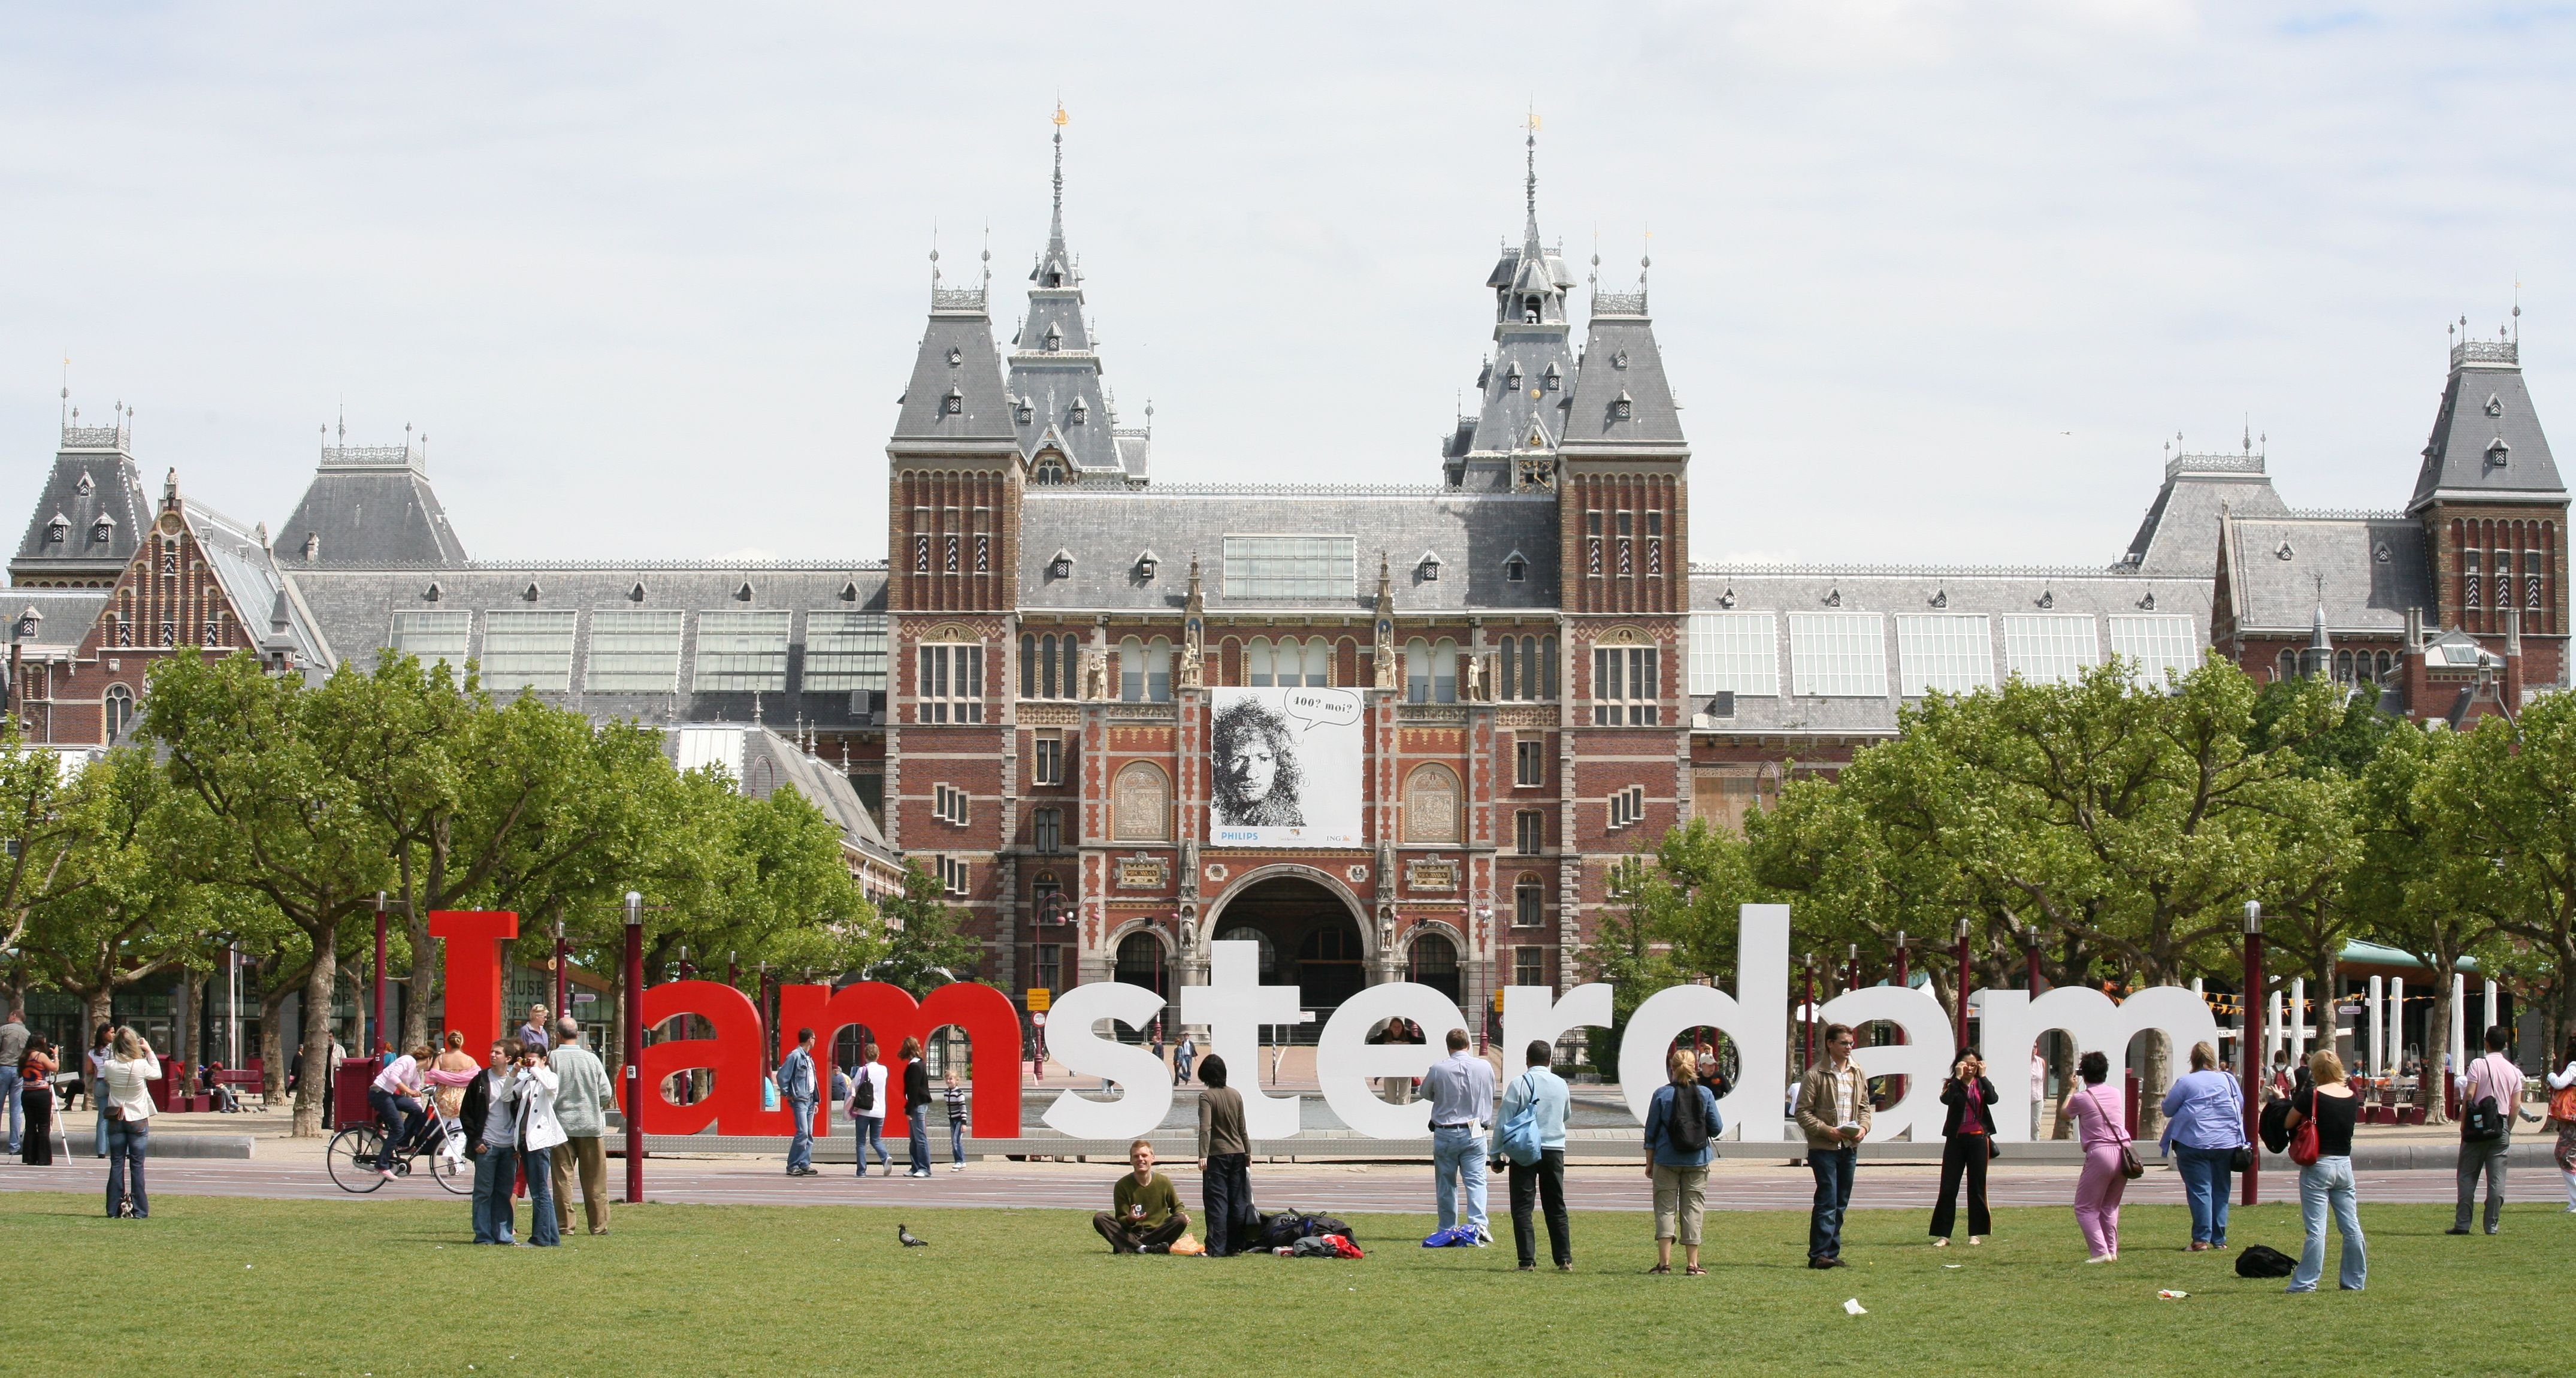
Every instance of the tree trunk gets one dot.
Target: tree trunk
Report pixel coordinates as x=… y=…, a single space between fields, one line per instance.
x=2152 y=1084
x=192 y=994
x=278 y=984
x=102 y=1006
x=421 y=986
x=2061 y=1066
x=2430 y=1089
x=314 y=1065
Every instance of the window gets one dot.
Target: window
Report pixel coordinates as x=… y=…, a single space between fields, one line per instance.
x=1838 y=654
x=948 y=804
x=1274 y=568
x=1047 y=759
x=1435 y=964
x=949 y=684
x=1529 y=832
x=1734 y=652
x=119 y=710
x=742 y=652
x=1140 y=961
x=1444 y=671
x=953 y=876
x=1954 y=654
x=1529 y=966
x=844 y=651
x=434 y=637
x=527 y=649
x=1527 y=668
x=1627 y=807
x=1431 y=806
x=1529 y=901
x=2159 y=645
x=1260 y=668
x=1529 y=762
x=1592 y=544
x=1145 y=670
x=2473 y=562
x=1046 y=830
x=1141 y=804
x=1515 y=570
x=57 y=531
x=1623 y=686
x=2047 y=649
x=2289 y=665
x=2343 y=666
x=1048 y=666
x=633 y=652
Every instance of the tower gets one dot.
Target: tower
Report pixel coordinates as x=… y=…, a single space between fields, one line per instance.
x=2494 y=509
x=1060 y=406
x=91 y=515
x=1510 y=441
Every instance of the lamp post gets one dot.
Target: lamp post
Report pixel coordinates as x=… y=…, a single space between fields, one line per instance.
x=1963 y=985
x=381 y=1046
x=634 y=1047
x=2250 y=1037
x=561 y=1009
x=1807 y=1013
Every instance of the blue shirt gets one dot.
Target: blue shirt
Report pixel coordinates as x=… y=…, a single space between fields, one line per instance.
x=1461 y=1090
x=1548 y=1091
x=1659 y=1118
x=2205 y=1110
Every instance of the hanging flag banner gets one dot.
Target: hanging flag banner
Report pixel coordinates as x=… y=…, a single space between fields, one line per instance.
x=1287 y=767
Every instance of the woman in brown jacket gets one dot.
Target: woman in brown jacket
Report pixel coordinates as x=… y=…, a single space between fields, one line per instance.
x=1225 y=1158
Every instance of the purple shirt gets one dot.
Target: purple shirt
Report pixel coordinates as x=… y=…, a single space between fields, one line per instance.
x=2495 y=1075
x=2100 y=1116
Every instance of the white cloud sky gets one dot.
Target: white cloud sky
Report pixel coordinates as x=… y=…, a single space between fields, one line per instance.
x=1934 y=280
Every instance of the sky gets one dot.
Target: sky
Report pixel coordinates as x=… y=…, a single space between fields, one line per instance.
x=1936 y=280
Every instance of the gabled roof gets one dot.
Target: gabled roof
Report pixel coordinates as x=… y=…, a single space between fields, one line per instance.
x=270 y=611
x=2373 y=569
x=2487 y=444
x=93 y=477
x=762 y=762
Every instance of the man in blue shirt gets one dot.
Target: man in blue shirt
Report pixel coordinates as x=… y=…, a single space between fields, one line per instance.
x=1545 y=1093
x=1461 y=1091
x=796 y=1087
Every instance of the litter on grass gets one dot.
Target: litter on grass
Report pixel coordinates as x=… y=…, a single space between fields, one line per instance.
x=1954 y=1265
x=2169 y=1294
x=1852 y=1307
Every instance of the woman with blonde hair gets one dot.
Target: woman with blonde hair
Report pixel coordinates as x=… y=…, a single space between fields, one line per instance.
x=125 y=1098
x=1681 y=1126
x=2326 y=1181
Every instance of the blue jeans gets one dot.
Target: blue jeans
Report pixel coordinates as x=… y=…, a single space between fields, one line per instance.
x=2206 y=1175
x=493 y=1183
x=542 y=1230
x=9 y=1087
x=127 y=1142
x=1455 y=1153
x=870 y=1131
x=400 y=1116
x=800 y=1152
x=1833 y=1170
x=2328 y=1181
x=918 y=1123
x=957 y=1141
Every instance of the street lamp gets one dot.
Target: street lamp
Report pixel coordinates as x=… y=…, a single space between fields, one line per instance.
x=561 y=1009
x=1963 y=985
x=634 y=1047
x=382 y=1046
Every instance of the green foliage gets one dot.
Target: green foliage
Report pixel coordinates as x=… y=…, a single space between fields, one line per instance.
x=924 y=947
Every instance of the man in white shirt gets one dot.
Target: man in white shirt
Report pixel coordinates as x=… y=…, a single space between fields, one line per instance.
x=868 y=1110
x=1461 y=1091
x=2492 y=1076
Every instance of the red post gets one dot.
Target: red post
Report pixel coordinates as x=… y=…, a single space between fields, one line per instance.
x=634 y=1048
x=383 y=1044
x=2250 y=1040
x=561 y=1008
x=1963 y=985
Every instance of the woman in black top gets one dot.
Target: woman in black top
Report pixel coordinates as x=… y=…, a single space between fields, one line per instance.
x=1968 y=1138
x=2327 y=1183
x=916 y=1106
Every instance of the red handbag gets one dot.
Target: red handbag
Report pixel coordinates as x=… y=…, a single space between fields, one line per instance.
x=2303 y=1140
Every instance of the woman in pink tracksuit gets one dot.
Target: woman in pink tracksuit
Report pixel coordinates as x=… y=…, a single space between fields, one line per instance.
x=2098 y=1114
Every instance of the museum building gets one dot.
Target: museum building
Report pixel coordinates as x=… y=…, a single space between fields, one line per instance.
x=1022 y=698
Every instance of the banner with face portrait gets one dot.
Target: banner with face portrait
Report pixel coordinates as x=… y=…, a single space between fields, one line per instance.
x=1286 y=765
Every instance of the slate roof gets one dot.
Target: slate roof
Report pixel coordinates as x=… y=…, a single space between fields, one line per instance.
x=369 y=508
x=2487 y=442
x=1105 y=530
x=355 y=608
x=2374 y=569
x=1622 y=365
x=1526 y=382
x=956 y=359
x=2180 y=532
x=52 y=621
x=275 y=617
x=93 y=477
x=762 y=762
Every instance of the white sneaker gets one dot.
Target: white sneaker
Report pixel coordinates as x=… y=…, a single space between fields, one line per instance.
x=1483 y=1236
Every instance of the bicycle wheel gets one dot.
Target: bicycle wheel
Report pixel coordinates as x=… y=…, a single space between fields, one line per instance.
x=352 y=1156
x=454 y=1173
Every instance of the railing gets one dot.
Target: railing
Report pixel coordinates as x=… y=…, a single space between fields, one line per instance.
x=373 y=457
x=2213 y=464
x=1701 y=570
x=2486 y=352
x=1618 y=303
x=2337 y=514
x=956 y=298
x=95 y=437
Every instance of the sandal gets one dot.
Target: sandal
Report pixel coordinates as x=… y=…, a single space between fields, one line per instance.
x=1660 y=1269
x=1940 y=1242
x=1695 y=1270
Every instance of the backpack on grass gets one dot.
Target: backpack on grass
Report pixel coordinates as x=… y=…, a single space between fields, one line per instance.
x=2264 y=1261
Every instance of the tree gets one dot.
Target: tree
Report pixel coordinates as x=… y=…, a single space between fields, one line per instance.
x=2419 y=891
x=2504 y=798
x=127 y=911
x=924 y=946
x=41 y=841
x=1625 y=951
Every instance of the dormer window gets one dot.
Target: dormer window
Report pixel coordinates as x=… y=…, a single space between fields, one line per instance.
x=1619 y=360
x=1940 y=598
x=1079 y=414
x=1512 y=379
x=1048 y=470
x=1553 y=380
x=1515 y=569
x=58 y=530
x=635 y=592
x=1054 y=337
x=2498 y=452
x=1429 y=567
x=1061 y=567
x=431 y=594
x=86 y=485
x=2285 y=552
x=2495 y=405
x=312 y=546
x=956 y=356
x=954 y=404
x=743 y=594
x=532 y=593
x=101 y=529
x=2048 y=598
x=1145 y=566
x=1726 y=599
x=1026 y=410
x=1625 y=407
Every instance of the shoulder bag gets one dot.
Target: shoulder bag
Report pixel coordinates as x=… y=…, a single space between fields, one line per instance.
x=1518 y=1140
x=2130 y=1167
x=2303 y=1140
x=2562 y=1104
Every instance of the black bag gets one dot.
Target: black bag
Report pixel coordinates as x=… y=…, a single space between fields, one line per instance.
x=2242 y=1159
x=2483 y=1123
x=2263 y=1261
x=2275 y=1127
x=1687 y=1128
x=1287 y=1227
x=864 y=1095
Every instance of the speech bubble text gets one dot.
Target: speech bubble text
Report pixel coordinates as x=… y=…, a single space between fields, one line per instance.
x=1321 y=707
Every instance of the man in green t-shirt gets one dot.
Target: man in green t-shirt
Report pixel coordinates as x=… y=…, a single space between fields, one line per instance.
x=1145 y=1213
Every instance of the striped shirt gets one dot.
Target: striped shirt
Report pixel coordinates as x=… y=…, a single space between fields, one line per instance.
x=956 y=1096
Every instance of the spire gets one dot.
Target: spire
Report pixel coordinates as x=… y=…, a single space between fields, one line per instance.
x=1055 y=226
x=1529 y=183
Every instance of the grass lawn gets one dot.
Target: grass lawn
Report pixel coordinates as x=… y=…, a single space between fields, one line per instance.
x=223 y=1285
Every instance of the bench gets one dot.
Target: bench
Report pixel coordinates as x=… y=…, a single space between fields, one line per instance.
x=242 y=1082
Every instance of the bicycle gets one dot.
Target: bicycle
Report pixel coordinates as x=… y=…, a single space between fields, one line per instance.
x=353 y=1154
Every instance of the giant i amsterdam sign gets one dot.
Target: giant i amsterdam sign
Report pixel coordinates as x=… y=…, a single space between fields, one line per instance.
x=1234 y=1006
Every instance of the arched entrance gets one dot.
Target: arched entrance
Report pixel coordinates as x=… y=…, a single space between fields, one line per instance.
x=1310 y=937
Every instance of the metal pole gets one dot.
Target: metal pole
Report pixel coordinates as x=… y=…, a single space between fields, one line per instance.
x=1963 y=985
x=2250 y=1040
x=1851 y=969
x=634 y=1047
x=1808 y=1015
x=561 y=1008
x=381 y=1045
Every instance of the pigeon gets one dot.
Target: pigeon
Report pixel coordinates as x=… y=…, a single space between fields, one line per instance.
x=910 y=1240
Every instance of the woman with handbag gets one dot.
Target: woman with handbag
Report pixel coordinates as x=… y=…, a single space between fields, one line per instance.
x=2109 y=1161
x=36 y=1071
x=125 y=1098
x=2562 y=1112
x=2322 y=1114
x=1967 y=1142
x=2204 y=1133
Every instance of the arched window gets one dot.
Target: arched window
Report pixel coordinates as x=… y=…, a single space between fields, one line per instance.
x=1319 y=662
x=1431 y=805
x=1131 y=670
x=2343 y=667
x=1158 y=670
x=1140 y=961
x=1435 y=964
x=1258 y=668
x=1246 y=933
x=1029 y=664
x=120 y=711
x=1444 y=671
x=2289 y=664
x=1417 y=671
x=1529 y=901
x=2385 y=664
x=1141 y=804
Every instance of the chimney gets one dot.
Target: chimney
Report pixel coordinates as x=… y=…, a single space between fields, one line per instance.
x=2513 y=658
x=2410 y=664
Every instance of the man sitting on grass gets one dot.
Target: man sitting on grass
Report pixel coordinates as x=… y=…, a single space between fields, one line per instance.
x=1145 y=1214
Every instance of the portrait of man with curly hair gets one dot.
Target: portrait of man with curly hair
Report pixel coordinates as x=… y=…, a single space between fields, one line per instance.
x=1258 y=781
